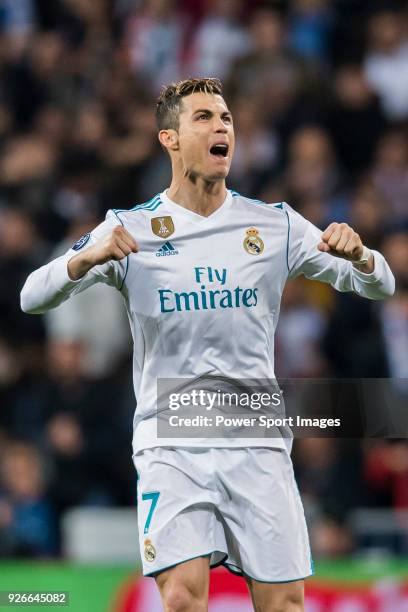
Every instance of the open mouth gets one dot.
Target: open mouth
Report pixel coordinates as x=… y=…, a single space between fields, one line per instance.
x=219 y=150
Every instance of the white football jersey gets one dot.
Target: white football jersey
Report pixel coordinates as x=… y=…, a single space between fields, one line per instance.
x=203 y=293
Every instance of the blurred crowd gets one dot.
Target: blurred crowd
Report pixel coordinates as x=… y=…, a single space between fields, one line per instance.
x=319 y=95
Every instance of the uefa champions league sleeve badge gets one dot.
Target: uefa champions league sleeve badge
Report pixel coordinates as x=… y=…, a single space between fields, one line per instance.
x=81 y=242
x=163 y=227
x=253 y=244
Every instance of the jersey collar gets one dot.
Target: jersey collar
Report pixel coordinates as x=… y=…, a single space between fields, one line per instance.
x=193 y=216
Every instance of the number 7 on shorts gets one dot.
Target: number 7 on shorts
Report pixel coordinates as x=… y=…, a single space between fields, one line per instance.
x=154 y=498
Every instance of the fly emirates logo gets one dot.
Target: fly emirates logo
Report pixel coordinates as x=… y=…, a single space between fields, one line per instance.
x=209 y=294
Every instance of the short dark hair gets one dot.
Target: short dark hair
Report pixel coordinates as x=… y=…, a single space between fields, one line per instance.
x=169 y=101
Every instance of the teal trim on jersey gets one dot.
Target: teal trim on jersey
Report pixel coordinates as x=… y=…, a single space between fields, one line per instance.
x=149 y=202
x=287 y=242
x=163 y=569
x=236 y=194
x=150 y=205
x=237 y=571
x=153 y=496
x=145 y=204
x=127 y=256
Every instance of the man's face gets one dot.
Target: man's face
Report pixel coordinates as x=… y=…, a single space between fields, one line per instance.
x=206 y=136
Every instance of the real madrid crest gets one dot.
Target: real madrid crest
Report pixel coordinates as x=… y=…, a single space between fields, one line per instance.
x=162 y=226
x=253 y=243
x=149 y=551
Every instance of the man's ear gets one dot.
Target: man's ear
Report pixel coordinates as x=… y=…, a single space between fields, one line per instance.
x=169 y=139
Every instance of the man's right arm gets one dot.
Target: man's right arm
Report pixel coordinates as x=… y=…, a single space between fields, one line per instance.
x=116 y=245
x=73 y=272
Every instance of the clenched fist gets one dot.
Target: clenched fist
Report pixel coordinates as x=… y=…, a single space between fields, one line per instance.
x=114 y=246
x=340 y=240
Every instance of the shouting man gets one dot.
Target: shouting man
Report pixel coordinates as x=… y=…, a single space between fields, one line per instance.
x=202 y=270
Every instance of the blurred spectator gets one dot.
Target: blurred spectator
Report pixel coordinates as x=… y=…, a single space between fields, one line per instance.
x=355 y=119
x=90 y=127
x=386 y=62
x=314 y=208
x=219 y=40
x=331 y=539
x=394 y=312
x=299 y=333
x=394 y=322
x=86 y=430
x=386 y=471
x=51 y=125
x=330 y=476
x=312 y=171
x=6 y=123
x=26 y=158
x=154 y=39
x=20 y=251
x=37 y=78
x=395 y=248
x=315 y=458
x=369 y=214
x=390 y=172
x=269 y=71
x=256 y=148
x=78 y=195
x=361 y=352
x=17 y=21
x=27 y=521
x=17 y=16
x=133 y=156
x=309 y=26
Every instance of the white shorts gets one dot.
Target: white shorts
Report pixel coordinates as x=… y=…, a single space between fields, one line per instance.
x=239 y=506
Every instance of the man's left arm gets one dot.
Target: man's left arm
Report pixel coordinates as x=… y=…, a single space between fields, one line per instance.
x=337 y=256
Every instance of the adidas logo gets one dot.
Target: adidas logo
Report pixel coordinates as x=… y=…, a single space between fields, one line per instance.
x=166 y=249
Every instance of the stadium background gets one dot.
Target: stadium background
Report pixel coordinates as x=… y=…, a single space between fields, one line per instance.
x=319 y=93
